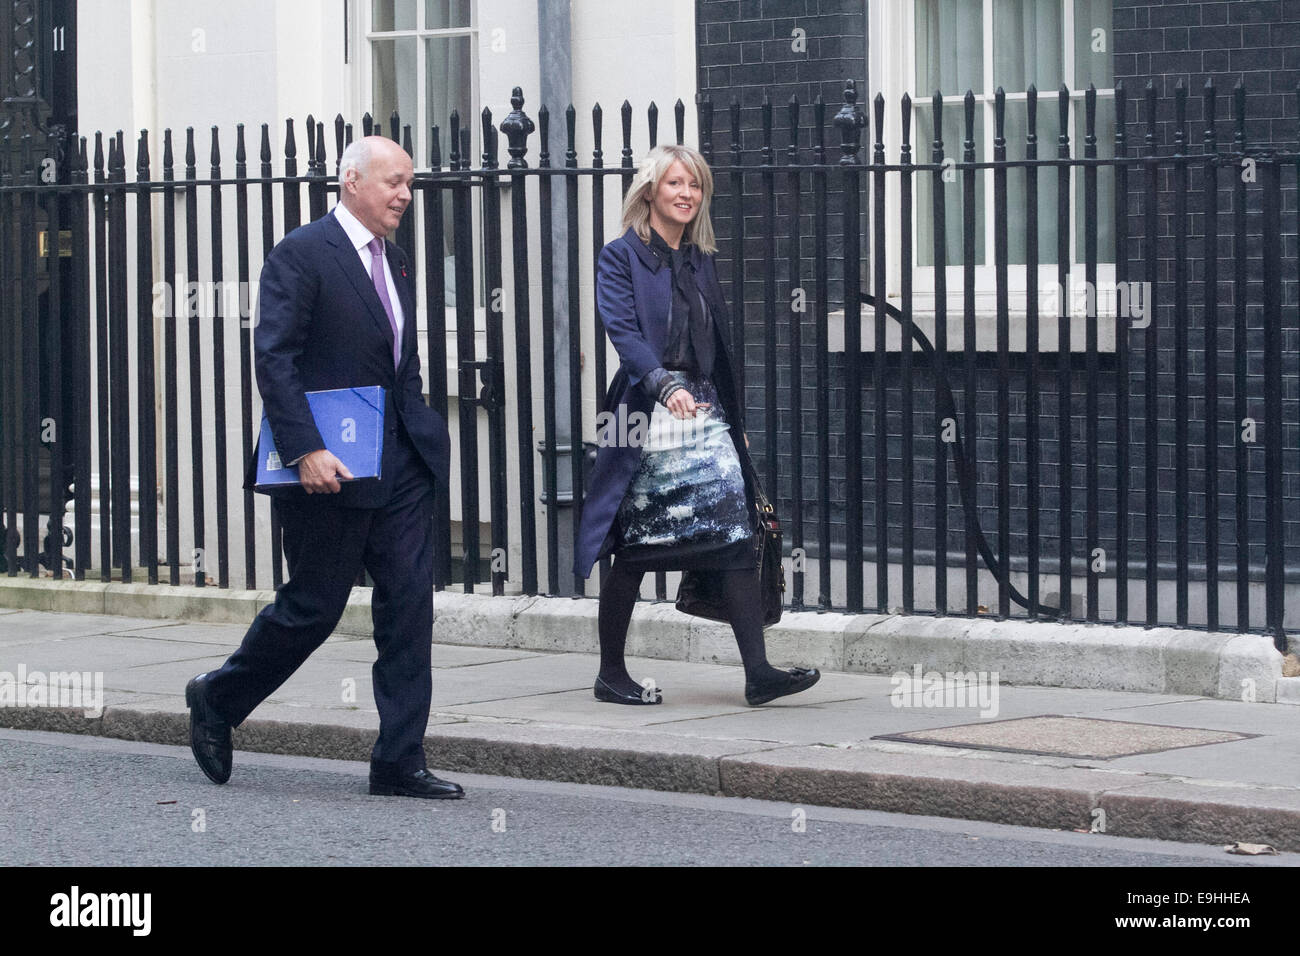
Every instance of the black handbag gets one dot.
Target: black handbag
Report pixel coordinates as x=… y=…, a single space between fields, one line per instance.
x=699 y=594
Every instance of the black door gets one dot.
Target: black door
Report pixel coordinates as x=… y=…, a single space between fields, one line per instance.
x=38 y=139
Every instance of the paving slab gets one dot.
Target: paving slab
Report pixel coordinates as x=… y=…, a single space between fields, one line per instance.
x=1266 y=761
x=1084 y=738
x=579 y=708
x=821 y=722
x=831 y=722
x=111 y=653
x=1220 y=714
x=1097 y=701
x=26 y=627
x=165 y=677
x=142 y=700
x=445 y=656
x=225 y=634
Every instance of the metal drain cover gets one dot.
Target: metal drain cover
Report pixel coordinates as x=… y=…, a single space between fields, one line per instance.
x=1052 y=735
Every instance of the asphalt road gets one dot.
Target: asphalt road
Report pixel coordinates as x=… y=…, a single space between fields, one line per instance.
x=87 y=801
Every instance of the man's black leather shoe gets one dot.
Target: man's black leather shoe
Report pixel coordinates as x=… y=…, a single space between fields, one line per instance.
x=209 y=734
x=791 y=682
x=422 y=783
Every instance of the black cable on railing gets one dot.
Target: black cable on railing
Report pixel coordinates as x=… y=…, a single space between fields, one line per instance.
x=965 y=477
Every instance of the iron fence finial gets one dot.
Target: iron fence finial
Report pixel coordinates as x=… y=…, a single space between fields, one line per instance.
x=850 y=121
x=518 y=127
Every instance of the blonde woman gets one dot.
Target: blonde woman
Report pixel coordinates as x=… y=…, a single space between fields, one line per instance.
x=672 y=486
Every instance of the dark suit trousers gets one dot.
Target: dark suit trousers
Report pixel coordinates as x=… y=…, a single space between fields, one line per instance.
x=326 y=547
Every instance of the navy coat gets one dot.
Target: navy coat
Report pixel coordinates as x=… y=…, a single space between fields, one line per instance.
x=633 y=296
x=320 y=325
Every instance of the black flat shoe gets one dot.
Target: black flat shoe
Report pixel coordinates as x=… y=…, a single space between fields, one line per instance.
x=209 y=734
x=422 y=783
x=609 y=695
x=793 y=681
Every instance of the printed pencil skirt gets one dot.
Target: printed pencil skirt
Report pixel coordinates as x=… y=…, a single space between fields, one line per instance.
x=686 y=505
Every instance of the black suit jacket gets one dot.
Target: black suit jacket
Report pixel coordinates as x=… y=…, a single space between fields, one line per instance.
x=320 y=325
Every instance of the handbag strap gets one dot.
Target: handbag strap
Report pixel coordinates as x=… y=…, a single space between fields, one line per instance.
x=761 y=501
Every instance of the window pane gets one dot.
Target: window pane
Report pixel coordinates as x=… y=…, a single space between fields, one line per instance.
x=1092 y=44
x=1105 y=180
x=447 y=81
x=954 y=124
x=949 y=46
x=445 y=14
x=1048 y=129
x=394 y=82
x=1028 y=44
x=389 y=15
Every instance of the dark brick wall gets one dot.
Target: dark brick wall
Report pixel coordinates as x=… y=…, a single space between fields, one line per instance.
x=745 y=48
x=1255 y=43
x=744 y=51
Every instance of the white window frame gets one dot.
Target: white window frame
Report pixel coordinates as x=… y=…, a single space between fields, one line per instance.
x=892 y=71
x=362 y=57
x=360 y=92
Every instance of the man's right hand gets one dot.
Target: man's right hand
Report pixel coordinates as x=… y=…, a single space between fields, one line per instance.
x=319 y=473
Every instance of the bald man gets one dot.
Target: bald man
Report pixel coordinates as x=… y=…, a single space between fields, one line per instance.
x=336 y=309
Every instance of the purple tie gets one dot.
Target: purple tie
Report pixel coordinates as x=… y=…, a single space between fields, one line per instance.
x=376 y=247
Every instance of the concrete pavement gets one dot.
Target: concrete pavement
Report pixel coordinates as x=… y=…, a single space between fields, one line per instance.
x=531 y=713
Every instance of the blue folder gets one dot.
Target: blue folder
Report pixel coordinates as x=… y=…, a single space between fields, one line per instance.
x=351 y=423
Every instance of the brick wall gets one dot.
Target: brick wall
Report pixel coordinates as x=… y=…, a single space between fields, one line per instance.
x=749 y=48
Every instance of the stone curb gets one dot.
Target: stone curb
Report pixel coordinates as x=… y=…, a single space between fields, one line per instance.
x=957 y=784
x=1157 y=660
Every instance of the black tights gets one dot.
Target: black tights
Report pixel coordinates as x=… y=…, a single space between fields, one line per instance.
x=618 y=596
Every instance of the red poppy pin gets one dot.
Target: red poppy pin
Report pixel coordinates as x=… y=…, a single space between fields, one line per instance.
x=403 y=270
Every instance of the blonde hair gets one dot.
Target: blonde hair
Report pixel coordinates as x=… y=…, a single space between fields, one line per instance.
x=655 y=165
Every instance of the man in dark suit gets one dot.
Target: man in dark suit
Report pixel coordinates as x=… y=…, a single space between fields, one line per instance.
x=336 y=309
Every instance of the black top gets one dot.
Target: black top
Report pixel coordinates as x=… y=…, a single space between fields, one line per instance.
x=690 y=346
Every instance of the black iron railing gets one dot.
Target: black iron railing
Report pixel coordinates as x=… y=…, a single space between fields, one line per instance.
x=900 y=435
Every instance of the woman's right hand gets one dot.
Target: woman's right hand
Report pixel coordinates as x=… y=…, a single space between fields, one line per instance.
x=683 y=405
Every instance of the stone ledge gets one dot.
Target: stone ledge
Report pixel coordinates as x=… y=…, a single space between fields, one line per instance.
x=1157 y=660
